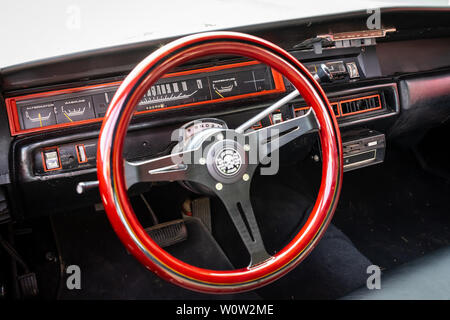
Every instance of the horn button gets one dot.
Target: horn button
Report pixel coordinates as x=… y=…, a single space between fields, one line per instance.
x=226 y=161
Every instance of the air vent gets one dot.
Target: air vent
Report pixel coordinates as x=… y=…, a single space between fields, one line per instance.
x=303 y=110
x=349 y=106
x=359 y=105
x=335 y=107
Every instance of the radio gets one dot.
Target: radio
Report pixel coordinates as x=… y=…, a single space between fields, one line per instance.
x=362 y=148
x=338 y=69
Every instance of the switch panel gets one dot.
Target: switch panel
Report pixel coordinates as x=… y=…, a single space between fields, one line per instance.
x=66 y=157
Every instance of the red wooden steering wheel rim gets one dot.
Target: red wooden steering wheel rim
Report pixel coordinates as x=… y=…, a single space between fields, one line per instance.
x=111 y=177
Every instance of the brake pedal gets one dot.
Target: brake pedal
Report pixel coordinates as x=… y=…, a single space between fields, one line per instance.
x=201 y=209
x=169 y=233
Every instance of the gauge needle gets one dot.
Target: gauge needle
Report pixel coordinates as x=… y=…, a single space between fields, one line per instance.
x=40 y=119
x=67 y=116
x=218 y=93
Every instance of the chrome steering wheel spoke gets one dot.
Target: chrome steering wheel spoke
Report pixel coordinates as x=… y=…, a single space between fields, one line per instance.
x=271 y=138
x=173 y=167
x=236 y=199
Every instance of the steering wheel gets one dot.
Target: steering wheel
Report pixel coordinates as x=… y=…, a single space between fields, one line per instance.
x=198 y=163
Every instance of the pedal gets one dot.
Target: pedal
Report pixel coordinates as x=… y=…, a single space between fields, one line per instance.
x=169 y=233
x=28 y=285
x=201 y=209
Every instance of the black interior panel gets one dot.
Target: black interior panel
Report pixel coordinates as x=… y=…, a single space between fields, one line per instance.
x=425 y=102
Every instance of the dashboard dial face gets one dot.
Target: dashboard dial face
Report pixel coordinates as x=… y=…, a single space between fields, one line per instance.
x=38 y=116
x=190 y=129
x=196 y=126
x=171 y=93
x=242 y=82
x=76 y=109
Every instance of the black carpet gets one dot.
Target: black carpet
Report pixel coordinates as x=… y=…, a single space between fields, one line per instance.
x=394 y=212
x=333 y=269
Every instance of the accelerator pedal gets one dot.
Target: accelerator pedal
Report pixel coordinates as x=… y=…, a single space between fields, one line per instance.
x=28 y=285
x=168 y=233
x=201 y=209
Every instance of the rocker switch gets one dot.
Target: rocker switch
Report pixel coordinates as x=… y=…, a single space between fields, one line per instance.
x=51 y=158
x=81 y=151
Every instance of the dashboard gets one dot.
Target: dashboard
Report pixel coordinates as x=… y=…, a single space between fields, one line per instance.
x=216 y=87
x=76 y=106
x=53 y=109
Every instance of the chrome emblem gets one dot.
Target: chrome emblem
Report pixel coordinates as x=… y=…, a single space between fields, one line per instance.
x=228 y=161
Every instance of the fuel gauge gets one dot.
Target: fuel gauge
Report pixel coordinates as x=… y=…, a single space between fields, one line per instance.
x=75 y=109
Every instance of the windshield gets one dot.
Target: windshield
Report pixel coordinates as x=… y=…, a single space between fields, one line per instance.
x=35 y=30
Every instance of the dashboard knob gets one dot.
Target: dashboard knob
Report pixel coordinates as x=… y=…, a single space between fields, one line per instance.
x=323 y=74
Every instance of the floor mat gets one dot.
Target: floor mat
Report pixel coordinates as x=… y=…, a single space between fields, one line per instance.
x=333 y=269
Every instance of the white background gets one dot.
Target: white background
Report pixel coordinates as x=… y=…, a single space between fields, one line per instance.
x=31 y=30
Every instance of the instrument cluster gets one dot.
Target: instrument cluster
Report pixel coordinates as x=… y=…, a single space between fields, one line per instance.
x=75 y=106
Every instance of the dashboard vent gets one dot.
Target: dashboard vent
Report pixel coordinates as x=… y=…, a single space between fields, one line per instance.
x=348 y=107
x=303 y=110
x=359 y=105
x=335 y=107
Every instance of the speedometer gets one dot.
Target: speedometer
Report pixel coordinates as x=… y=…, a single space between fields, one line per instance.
x=171 y=93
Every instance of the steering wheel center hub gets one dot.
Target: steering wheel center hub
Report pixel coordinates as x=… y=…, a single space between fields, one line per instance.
x=226 y=161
